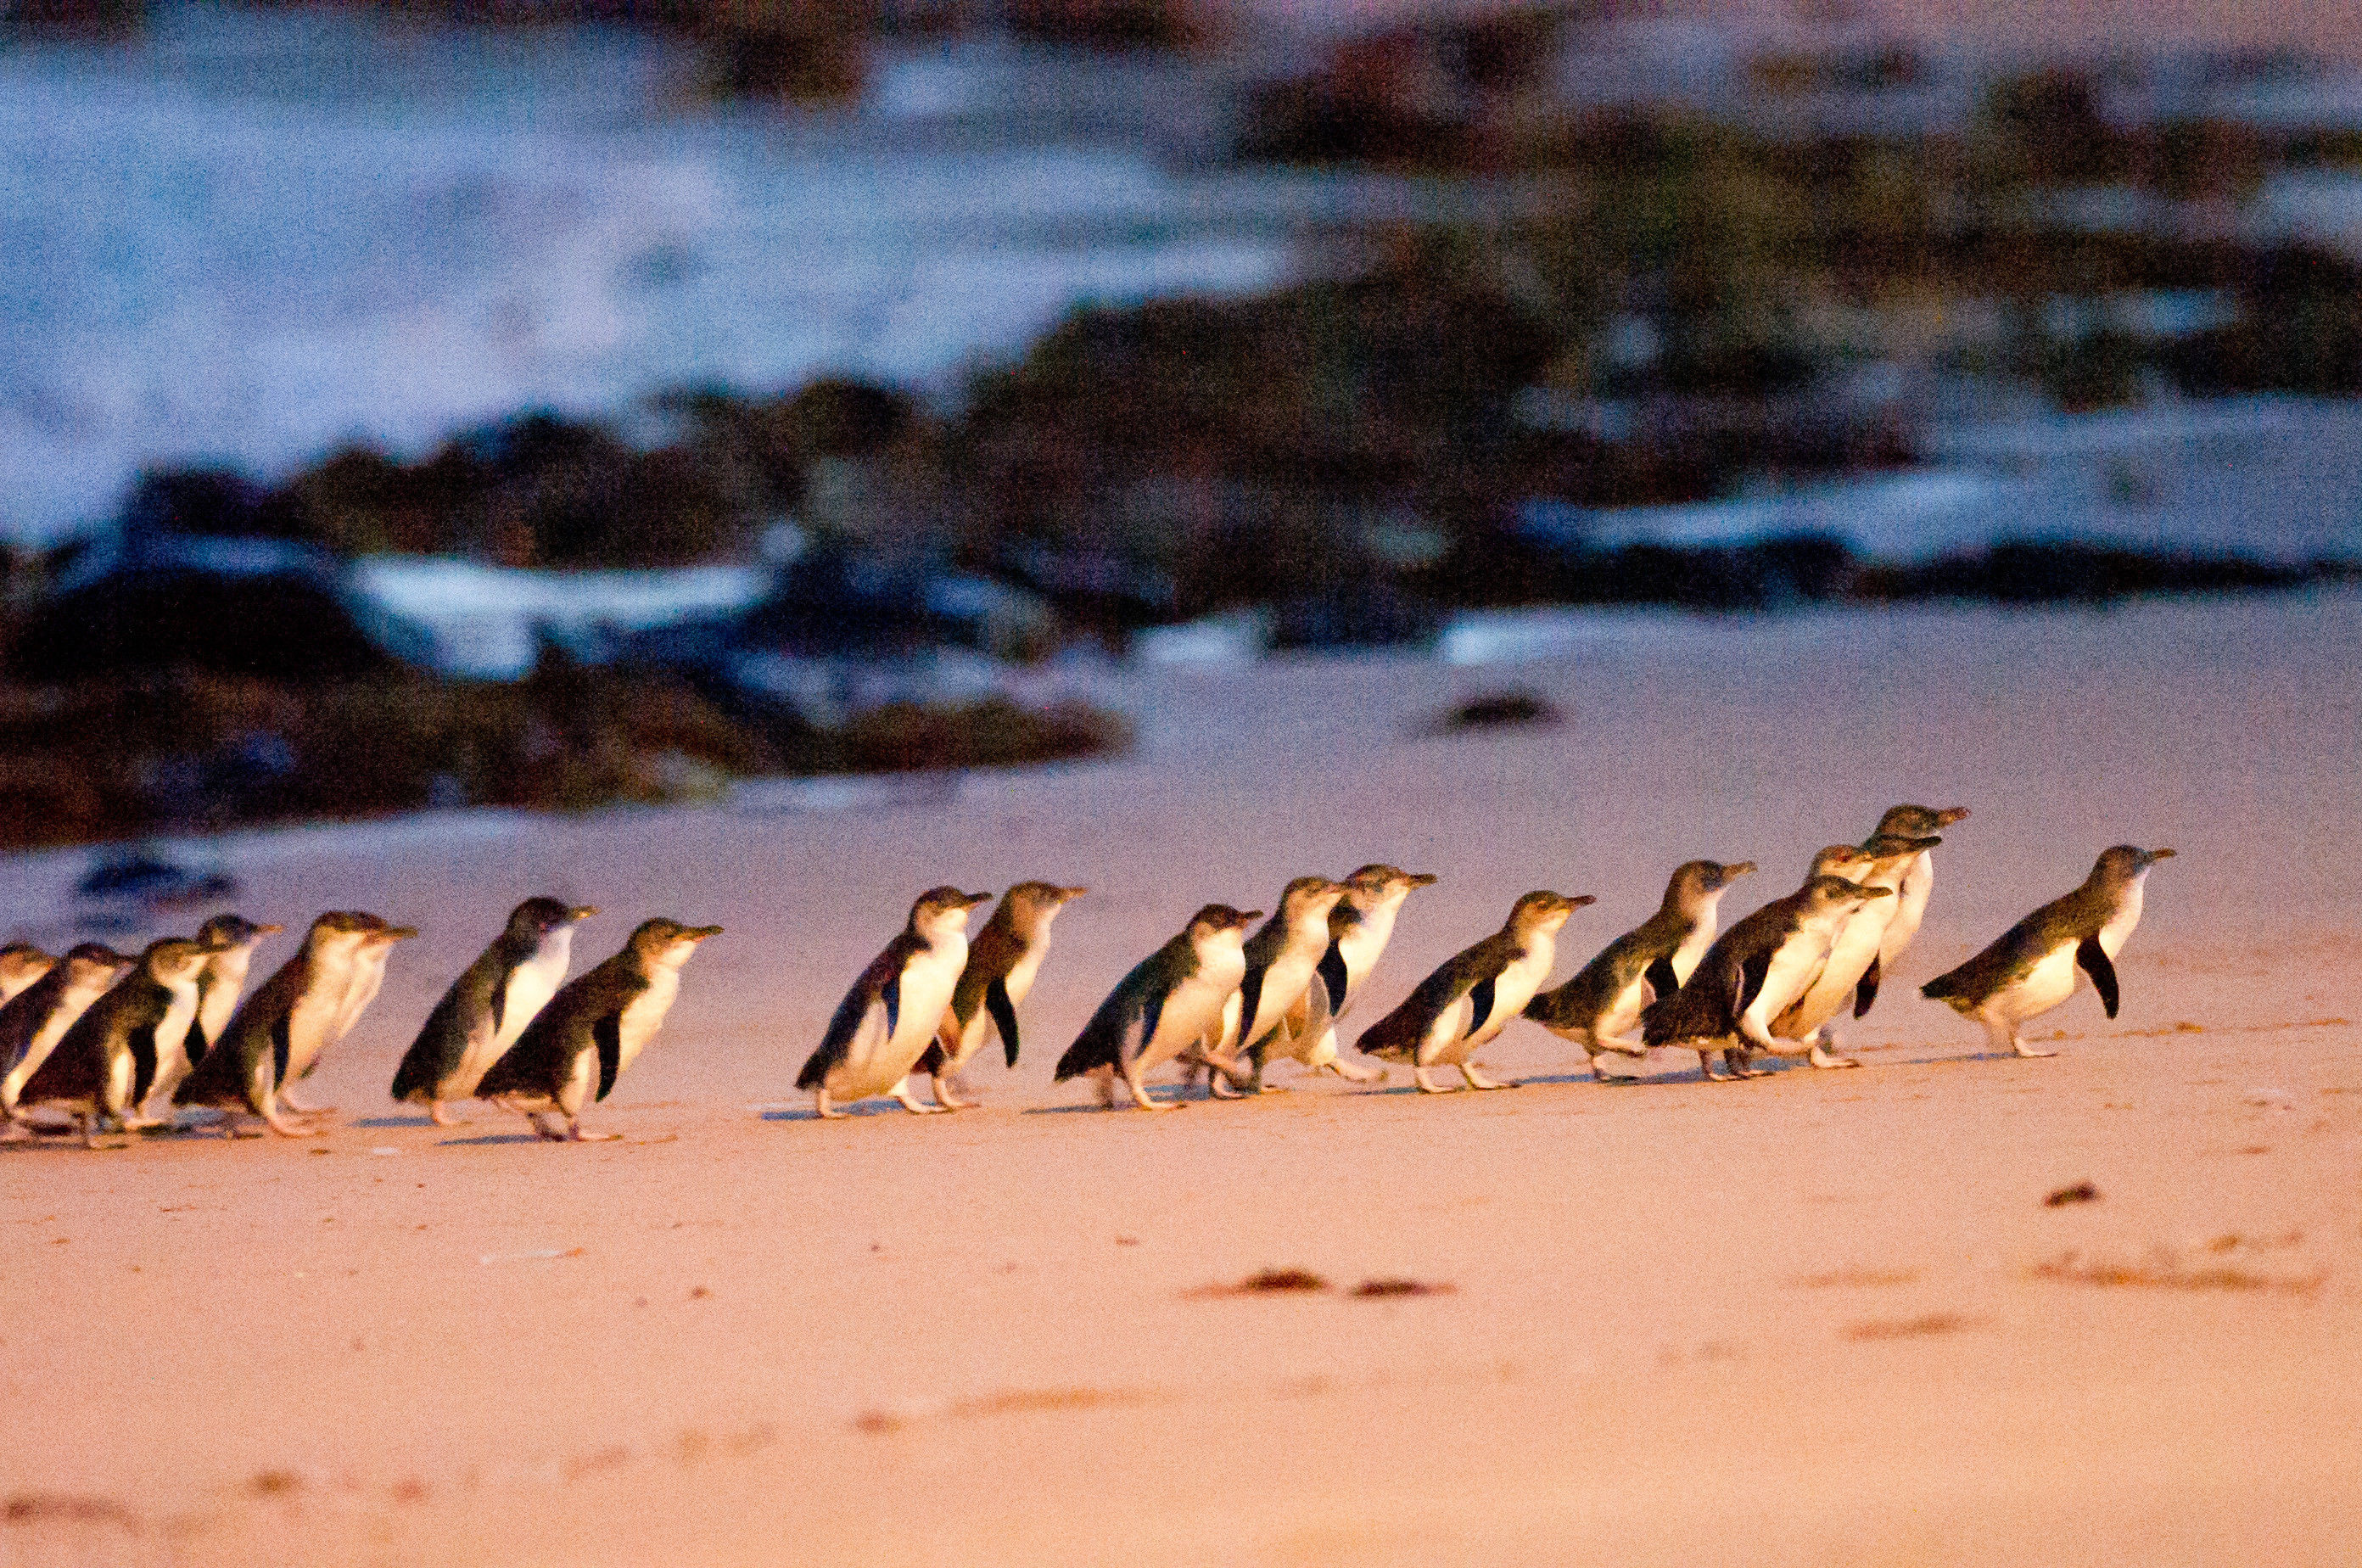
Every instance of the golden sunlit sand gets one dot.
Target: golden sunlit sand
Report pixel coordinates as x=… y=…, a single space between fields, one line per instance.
x=1825 y=1317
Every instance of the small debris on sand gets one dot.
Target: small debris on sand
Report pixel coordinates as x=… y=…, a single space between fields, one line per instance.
x=1911 y=1328
x=1857 y=1279
x=274 y=1483
x=1267 y=1282
x=2162 y=1270
x=1402 y=1287
x=1495 y=709
x=2081 y=1192
x=56 y=1508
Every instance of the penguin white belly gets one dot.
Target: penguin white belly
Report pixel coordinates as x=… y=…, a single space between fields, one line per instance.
x=1447 y=1037
x=582 y=1084
x=1192 y=1012
x=219 y=1002
x=1017 y=982
x=312 y=1021
x=531 y=985
x=1282 y=987
x=1361 y=948
x=878 y=1058
x=1909 y=908
x=121 y=1074
x=1512 y=989
x=367 y=976
x=45 y=1040
x=173 y=1039
x=1692 y=949
x=1621 y=1014
x=2050 y=982
x=1848 y=961
x=642 y=1016
x=2119 y=929
x=1790 y=974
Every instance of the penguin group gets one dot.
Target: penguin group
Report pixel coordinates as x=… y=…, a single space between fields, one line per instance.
x=121 y=1042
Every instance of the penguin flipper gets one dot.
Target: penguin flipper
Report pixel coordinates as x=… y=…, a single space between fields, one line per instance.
x=1114 y=1035
x=1480 y=1003
x=1751 y=976
x=1333 y=976
x=1004 y=1016
x=142 y=1042
x=843 y=1027
x=1250 y=1003
x=892 y=996
x=608 y=1034
x=1661 y=977
x=282 y=1048
x=2094 y=960
x=1865 y=990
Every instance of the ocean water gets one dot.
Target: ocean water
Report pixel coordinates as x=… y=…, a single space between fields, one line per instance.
x=251 y=237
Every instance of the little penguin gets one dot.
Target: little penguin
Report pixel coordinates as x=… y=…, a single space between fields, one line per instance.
x=1281 y=957
x=107 y=1061
x=1597 y=1007
x=489 y=1006
x=1910 y=898
x=1760 y=966
x=291 y=1018
x=219 y=985
x=1853 y=951
x=597 y=1025
x=363 y=976
x=1359 y=928
x=1472 y=997
x=895 y=1009
x=2035 y=966
x=1002 y=960
x=21 y=964
x=1171 y=1001
x=33 y=1020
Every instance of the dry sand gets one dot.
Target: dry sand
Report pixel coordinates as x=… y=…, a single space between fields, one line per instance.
x=1825 y=1317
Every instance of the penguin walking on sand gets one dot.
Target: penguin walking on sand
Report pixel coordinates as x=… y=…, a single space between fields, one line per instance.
x=1598 y=1007
x=219 y=985
x=2037 y=963
x=1467 y=1002
x=1171 y=1001
x=363 y=973
x=294 y=1016
x=1359 y=929
x=895 y=1009
x=33 y=1020
x=489 y=1006
x=594 y=1028
x=21 y=964
x=1910 y=897
x=1281 y=958
x=1853 y=950
x=1759 y=966
x=107 y=1061
x=1002 y=960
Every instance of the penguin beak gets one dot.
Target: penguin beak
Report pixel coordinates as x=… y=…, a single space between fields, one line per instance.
x=1950 y=816
x=1247 y=918
x=1733 y=873
x=268 y=929
x=700 y=933
x=2151 y=857
x=397 y=933
x=581 y=911
x=1067 y=893
x=976 y=899
x=1577 y=902
x=1422 y=878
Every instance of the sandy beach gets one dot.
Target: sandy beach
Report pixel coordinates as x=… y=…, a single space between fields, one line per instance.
x=1818 y=1318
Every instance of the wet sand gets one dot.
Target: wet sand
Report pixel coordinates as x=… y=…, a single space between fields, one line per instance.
x=1823 y=1317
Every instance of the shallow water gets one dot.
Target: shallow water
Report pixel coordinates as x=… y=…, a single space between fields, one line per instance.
x=252 y=236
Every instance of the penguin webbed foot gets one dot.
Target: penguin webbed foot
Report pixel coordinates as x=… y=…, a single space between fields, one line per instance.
x=1477 y=1081
x=823 y=1110
x=440 y=1114
x=2029 y=1053
x=944 y=1099
x=1426 y=1086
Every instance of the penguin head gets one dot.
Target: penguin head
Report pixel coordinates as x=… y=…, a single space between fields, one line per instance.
x=1032 y=906
x=1837 y=892
x=94 y=965
x=1543 y=910
x=2124 y=863
x=537 y=918
x=1309 y=899
x=176 y=960
x=24 y=955
x=944 y=912
x=668 y=944
x=1915 y=821
x=381 y=934
x=224 y=932
x=1378 y=885
x=1698 y=883
x=1221 y=925
x=1889 y=850
x=1844 y=860
x=341 y=930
